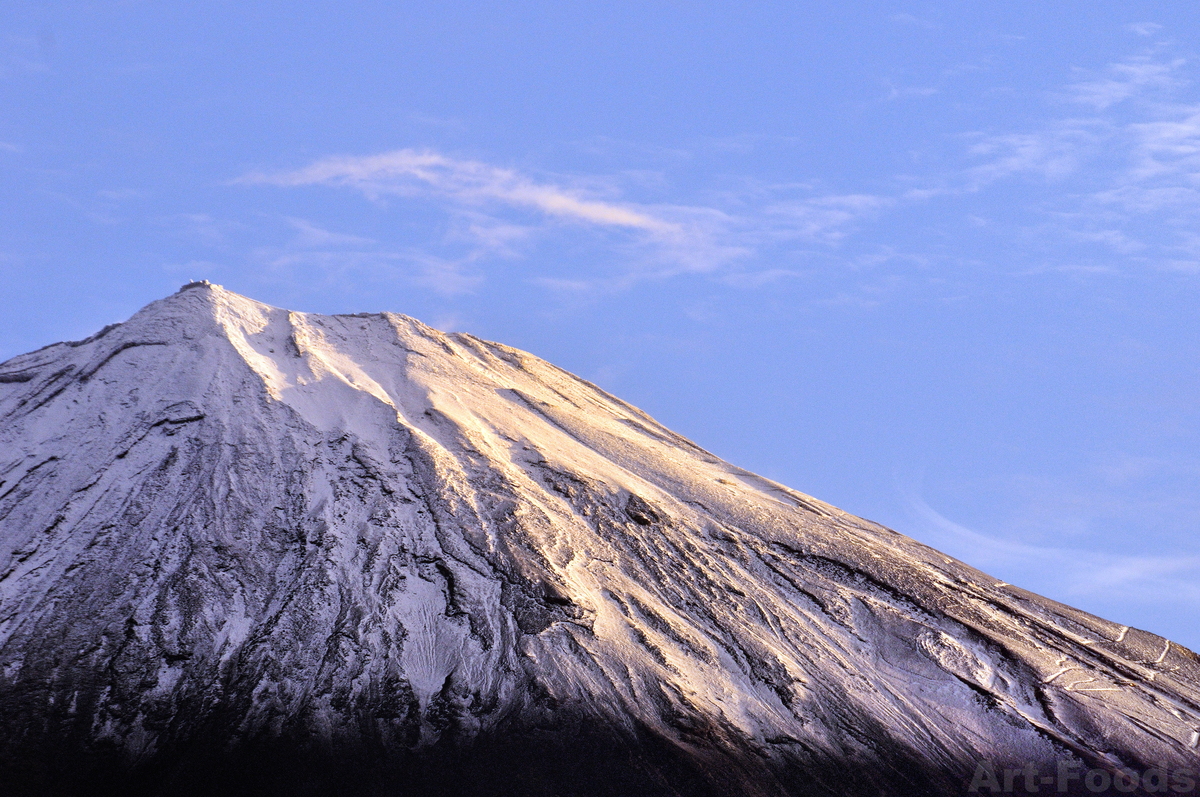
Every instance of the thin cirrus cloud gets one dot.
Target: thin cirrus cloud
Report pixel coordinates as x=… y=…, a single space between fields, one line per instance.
x=1159 y=142
x=408 y=171
x=1074 y=572
x=481 y=199
x=664 y=240
x=1111 y=166
x=1126 y=80
x=1120 y=160
x=1145 y=28
x=1051 y=153
x=1136 y=118
x=827 y=219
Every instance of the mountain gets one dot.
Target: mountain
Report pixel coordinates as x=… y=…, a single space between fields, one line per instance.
x=251 y=551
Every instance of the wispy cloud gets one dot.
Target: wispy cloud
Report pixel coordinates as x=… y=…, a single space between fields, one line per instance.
x=1051 y=153
x=1120 y=161
x=824 y=218
x=1125 y=80
x=900 y=92
x=1074 y=571
x=489 y=206
x=407 y=172
x=1169 y=146
x=1114 y=239
x=309 y=235
x=490 y=236
x=1155 y=135
x=1144 y=28
x=1110 y=170
x=312 y=252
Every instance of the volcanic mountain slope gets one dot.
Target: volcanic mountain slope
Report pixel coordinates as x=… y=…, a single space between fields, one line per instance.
x=270 y=552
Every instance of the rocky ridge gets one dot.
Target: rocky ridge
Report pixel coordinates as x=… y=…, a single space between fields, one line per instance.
x=260 y=550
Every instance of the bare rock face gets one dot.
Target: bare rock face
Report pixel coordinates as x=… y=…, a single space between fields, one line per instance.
x=245 y=550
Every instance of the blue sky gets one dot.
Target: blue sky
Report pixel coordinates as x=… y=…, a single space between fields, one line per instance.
x=935 y=263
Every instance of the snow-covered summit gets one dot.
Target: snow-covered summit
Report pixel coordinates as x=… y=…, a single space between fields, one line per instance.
x=224 y=524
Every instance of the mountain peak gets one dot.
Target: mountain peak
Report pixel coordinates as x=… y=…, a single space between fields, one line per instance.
x=237 y=539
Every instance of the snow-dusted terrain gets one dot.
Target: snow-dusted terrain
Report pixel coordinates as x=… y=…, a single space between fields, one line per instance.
x=242 y=547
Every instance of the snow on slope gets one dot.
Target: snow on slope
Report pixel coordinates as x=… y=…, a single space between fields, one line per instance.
x=361 y=530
